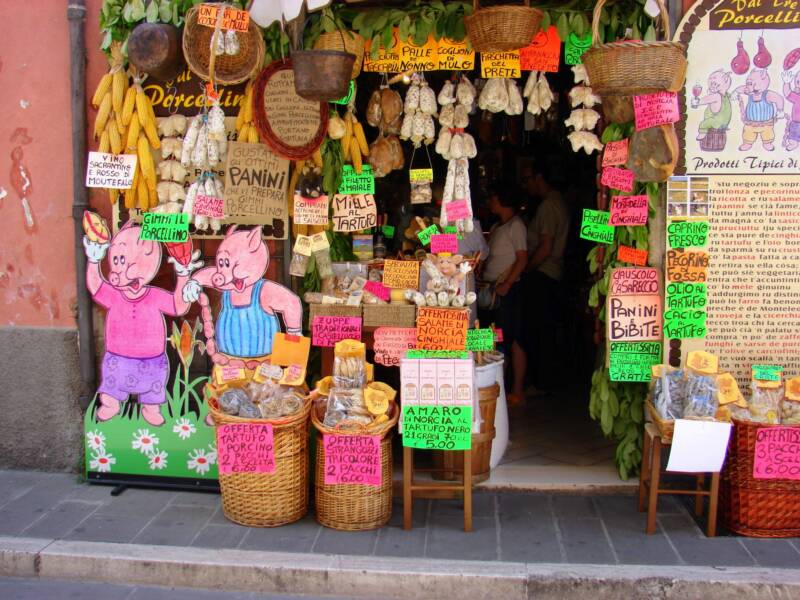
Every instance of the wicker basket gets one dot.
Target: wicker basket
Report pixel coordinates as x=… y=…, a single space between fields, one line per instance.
x=629 y=68
x=351 y=507
x=349 y=41
x=269 y=499
x=228 y=70
x=666 y=427
x=768 y=508
x=390 y=315
x=501 y=28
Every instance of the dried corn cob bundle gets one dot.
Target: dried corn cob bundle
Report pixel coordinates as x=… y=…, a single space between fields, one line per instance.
x=245 y=127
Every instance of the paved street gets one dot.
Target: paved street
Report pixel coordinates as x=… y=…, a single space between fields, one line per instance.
x=509 y=527
x=13 y=588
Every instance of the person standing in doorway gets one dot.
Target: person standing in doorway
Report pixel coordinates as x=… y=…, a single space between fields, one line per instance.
x=508 y=255
x=547 y=240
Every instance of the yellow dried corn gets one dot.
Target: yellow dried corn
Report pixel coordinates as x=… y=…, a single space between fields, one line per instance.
x=114 y=140
x=247 y=108
x=102 y=115
x=355 y=154
x=252 y=135
x=118 y=122
x=358 y=133
x=146 y=161
x=105 y=144
x=133 y=133
x=130 y=198
x=103 y=87
x=142 y=197
x=142 y=104
x=244 y=133
x=112 y=196
x=348 y=131
x=151 y=131
x=317 y=157
x=118 y=90
x=128 y=105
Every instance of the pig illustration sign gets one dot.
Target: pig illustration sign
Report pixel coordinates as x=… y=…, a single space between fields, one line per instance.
x=147 y=421
x=140 y=424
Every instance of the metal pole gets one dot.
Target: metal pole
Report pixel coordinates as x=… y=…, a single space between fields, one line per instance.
x=76 y=15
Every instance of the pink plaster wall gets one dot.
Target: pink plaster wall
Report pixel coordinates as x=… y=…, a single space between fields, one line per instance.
x=37 y=273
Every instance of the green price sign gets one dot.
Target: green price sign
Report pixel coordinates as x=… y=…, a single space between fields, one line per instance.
x=159 y=227
x=437 y=427
x=480 y=340
x=687 y=234
x=388 y=231
x=357 y=183
x=767 y=372
x=436 y=354
x=425 y=235
x=452 y=229
x=686 y=295
x=684 y=324
x=631 y=361
x=574 y=47
x=595 y=227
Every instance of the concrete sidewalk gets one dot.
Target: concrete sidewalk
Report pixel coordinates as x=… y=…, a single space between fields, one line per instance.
x=524 y=545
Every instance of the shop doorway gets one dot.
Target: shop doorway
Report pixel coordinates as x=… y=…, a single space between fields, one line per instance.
x=553 y=443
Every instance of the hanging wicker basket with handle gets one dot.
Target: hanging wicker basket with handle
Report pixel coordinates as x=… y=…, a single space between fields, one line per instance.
x=502 y=28
x=347 y=41
x=227 y=69
x=322 y=75
x=634 y=67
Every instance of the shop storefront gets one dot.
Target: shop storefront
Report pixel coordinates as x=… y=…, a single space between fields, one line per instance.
x=378 y=241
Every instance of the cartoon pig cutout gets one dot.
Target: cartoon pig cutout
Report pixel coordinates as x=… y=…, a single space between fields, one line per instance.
x=760 y=108
x=135 y=361
x=248 y=319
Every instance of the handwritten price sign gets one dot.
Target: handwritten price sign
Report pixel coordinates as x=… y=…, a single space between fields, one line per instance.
x=615 y=153
x=777 y=453
x=617 y=179
x=651 y=110
x=352 y=459
x=245 y=448
x=326 y=331
x=628 y=210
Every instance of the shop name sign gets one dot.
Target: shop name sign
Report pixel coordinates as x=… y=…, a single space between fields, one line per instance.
x=755 y=14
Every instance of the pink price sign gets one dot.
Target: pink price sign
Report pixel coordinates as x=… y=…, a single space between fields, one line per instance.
x=617 y=179
x=245 y=448
x=615 y=153
x=392 y=343
x=651 y=110
x=444 y=242
x=353 y=459
x=209 y=206
x=456 y=210
x=377 y=289
x=628 y=210
x=326 y=331
x=777 y=453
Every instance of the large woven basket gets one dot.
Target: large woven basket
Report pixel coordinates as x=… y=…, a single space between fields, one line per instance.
x=269 y=499
x=767 y=508
x=349 y=41
x=629 y=68
x=228 y=70
x=666 y=427
x=352 y=507
x=501 y=28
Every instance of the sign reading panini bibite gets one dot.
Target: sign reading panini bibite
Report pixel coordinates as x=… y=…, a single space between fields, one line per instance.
x=114 y=171
x=634 y=312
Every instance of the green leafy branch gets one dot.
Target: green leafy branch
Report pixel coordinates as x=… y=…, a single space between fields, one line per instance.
x=619 y=406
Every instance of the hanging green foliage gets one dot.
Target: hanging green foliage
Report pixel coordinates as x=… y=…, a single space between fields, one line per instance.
x=619 y=406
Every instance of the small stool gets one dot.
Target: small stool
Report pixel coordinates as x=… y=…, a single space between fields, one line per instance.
x=650 y=477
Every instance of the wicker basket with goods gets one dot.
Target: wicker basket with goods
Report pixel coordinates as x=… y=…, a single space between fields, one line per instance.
x=347 y=41
x=502 y=28
x=767 y=508
x=323 y=75
x=265 y=499
x=633 y=67
x=353 y=506
x=229 y=67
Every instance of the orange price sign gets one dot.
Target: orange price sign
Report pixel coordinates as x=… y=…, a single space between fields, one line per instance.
x=233 y=18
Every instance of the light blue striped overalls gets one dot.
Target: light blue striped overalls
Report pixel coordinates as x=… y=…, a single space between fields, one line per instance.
x=245 y=331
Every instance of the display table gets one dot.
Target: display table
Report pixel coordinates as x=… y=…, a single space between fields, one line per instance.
x=650 y=478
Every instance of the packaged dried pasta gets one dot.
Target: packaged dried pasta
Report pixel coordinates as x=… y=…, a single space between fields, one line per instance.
x=301 y=252
x=669 y=393
x=349 y=364
x=766 y=394
x=701 y=395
